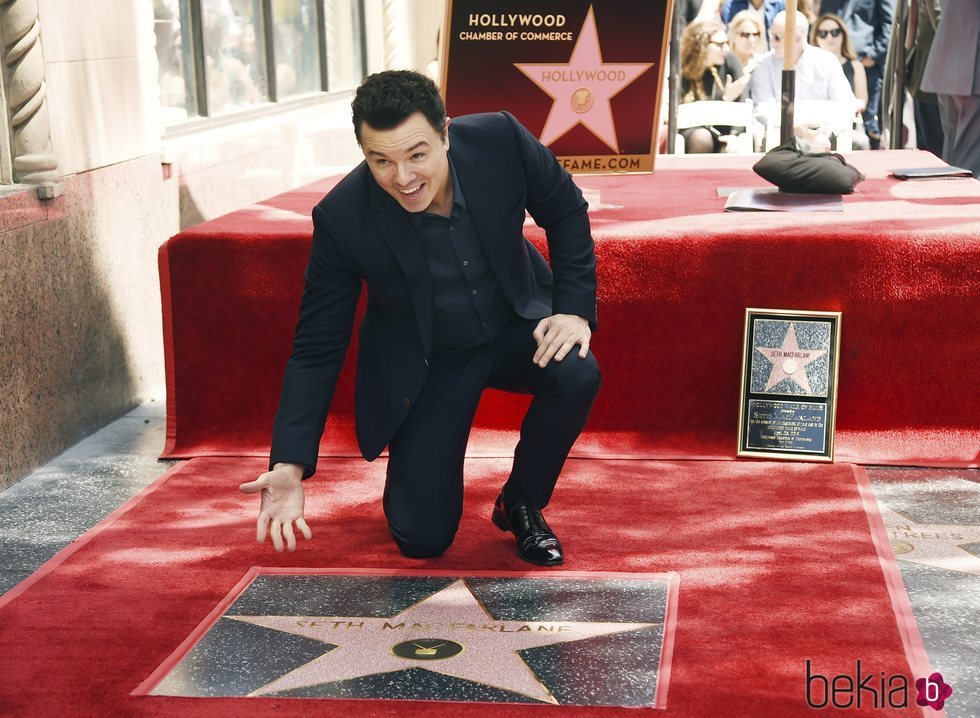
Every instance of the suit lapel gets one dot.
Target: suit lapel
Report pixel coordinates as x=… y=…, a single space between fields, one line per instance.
x=398 y=233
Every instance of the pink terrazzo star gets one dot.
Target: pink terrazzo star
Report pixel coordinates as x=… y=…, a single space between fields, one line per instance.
x=789 y=361
x=486 y=648
x=582 y=87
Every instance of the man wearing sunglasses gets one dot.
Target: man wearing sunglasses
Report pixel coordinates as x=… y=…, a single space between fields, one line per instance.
x=818 y=73
x=869 y=24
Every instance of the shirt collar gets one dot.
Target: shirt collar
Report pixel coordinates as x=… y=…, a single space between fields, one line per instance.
x=459 y=201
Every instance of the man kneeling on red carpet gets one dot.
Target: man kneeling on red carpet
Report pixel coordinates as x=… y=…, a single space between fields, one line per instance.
x=457 y=301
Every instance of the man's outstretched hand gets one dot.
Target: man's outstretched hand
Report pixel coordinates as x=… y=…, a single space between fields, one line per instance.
x=281 y=505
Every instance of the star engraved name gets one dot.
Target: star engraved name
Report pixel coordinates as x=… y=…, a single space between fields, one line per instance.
x=579 y=75
x=437 y=627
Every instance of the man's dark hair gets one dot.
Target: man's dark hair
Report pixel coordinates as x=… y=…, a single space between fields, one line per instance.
x=386 y=99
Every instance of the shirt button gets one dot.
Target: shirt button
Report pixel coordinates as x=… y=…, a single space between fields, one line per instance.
x=406 y=402
x=450 y=228
x=426 y=360
x=466 y=262
x=473 y=292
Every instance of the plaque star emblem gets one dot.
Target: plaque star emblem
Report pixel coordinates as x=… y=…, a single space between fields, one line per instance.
x=449 y=632
x=582 y=88
x=789 y=361
x=936 y=545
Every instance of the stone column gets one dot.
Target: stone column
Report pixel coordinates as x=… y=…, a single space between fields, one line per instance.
x=397 y=34
x=34 y=161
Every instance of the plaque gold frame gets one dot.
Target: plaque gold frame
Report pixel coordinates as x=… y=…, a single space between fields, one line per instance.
x=807 y=401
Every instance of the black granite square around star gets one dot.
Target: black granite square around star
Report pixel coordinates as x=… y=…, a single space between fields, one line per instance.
x=559 y=640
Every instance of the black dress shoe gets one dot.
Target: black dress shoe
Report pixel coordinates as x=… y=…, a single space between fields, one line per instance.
x=536 y=542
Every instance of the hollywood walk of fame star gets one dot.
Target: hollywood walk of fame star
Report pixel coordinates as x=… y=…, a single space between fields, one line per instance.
x=936 y=545
x=582 y=87
x=789 y=361
x=453 y=616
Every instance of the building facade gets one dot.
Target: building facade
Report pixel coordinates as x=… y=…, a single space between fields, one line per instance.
x=126 y=121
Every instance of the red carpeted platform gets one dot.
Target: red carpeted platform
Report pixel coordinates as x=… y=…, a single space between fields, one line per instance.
x=779 y=564
x=902 y=262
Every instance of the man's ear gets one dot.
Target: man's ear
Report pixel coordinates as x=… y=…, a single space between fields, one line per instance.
x=445 y=132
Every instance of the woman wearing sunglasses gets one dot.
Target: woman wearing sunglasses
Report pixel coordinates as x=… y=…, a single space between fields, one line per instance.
x=746 y=37
x=709 y=72
x=830 y=34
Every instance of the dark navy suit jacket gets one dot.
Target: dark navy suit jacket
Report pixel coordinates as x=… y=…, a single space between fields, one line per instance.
x=770 y=8
x=869 y=23
x=361 y=234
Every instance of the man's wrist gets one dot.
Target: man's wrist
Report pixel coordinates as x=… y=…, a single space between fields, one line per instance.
x=293 y=469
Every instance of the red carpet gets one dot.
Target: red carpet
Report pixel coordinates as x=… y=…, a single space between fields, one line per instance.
x=776 y=561
x=675 y=275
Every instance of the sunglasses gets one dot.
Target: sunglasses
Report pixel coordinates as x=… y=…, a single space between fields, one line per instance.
x=836 y=32
x=716 y=43
x=747 y=35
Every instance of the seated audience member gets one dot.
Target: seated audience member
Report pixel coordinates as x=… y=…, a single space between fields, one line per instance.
x=869 y=23
x=830 y=34
x=705 y=60
x=764 y=10
x=806 y=7
x=818 y=75
x=746 y=37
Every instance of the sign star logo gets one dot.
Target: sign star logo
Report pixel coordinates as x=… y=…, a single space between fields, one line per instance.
x=449 y=632
x=582 y=87
x=789 y=361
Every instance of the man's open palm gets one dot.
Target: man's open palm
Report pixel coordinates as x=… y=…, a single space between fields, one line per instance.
x=282 y=502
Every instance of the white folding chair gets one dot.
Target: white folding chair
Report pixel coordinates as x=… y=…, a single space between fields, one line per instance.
x=839 y=117
x=716 y=113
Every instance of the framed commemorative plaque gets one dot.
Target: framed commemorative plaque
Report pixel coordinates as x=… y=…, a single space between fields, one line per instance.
x=789 y=384
x=584 y=77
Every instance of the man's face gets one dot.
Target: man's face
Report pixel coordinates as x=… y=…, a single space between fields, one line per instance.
x=410 y=163
x=777 y=36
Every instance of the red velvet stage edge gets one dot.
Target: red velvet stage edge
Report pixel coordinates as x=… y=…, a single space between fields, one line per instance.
x=902 y=263
x=777 y=567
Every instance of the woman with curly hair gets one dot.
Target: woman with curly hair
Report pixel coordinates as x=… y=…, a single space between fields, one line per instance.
x=709 y=72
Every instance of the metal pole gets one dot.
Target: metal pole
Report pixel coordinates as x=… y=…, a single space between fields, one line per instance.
x=788 y=98
x=674 y=78
x=898 y=77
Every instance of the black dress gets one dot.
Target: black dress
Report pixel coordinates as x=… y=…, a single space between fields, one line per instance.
x=714 y=86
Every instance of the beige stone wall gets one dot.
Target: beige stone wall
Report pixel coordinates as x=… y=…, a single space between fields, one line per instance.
x=79 y=307
x=100 y=65
x=80 y=325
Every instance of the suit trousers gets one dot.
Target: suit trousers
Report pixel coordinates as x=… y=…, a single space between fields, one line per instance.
x=872 y=125
x=961 y=128
x=423 y=497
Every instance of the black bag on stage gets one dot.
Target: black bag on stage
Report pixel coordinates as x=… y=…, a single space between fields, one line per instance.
x=794 y=171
